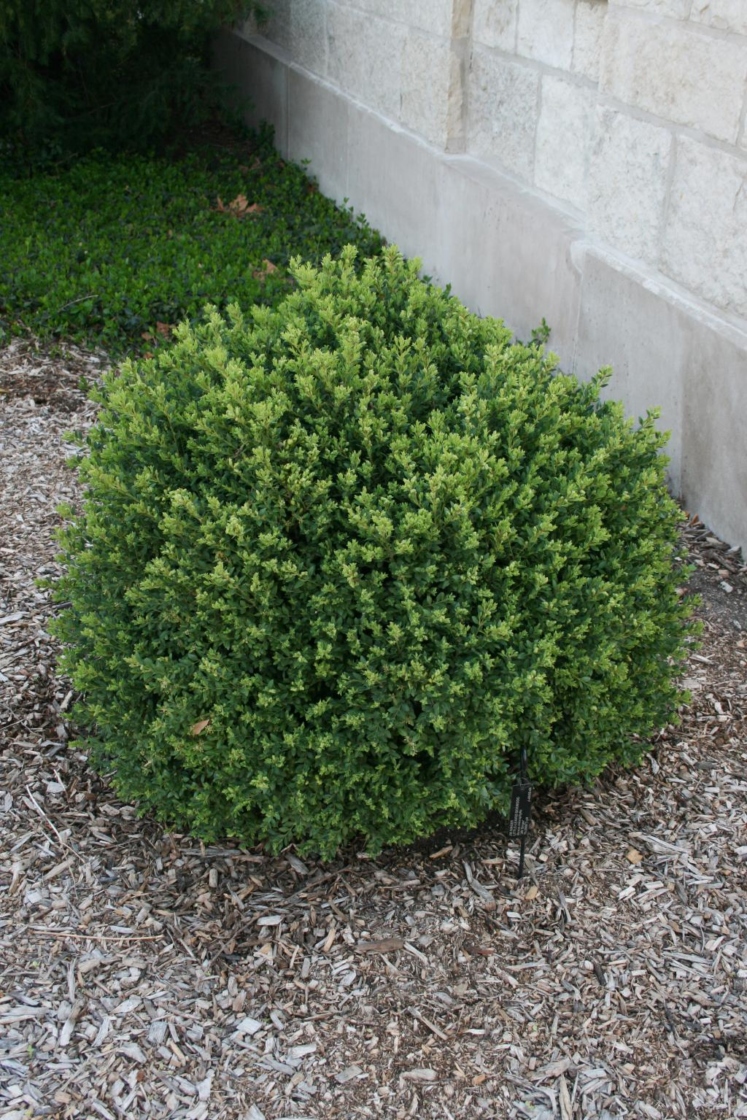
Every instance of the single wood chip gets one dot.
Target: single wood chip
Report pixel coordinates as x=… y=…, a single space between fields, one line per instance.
x=564 y=1099
x=352 y=1073
x=386 y=945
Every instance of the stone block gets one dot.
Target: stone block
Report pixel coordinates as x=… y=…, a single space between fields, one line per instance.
x=727 y=15
x=276 y=26
x=308 y=35
x=430 y=86
x=495 y=23
x=628 y=175
x=705 y=247
x=587 y=38
x=365 y=56
x=676 y=71
x=434 y=16
x=546 y=31
x=675 y=9
x=503 y=105
x=563 y=138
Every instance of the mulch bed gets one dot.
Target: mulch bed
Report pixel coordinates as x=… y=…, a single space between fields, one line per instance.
x=144 y=975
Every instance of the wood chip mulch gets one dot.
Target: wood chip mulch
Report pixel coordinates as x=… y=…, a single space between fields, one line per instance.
x=144 y=975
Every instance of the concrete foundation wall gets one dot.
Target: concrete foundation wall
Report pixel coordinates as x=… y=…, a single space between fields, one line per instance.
x=584 y=161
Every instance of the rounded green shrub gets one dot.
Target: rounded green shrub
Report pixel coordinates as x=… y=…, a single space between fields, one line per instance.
x=341 y=559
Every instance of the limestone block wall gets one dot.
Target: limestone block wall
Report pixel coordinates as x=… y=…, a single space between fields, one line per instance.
x=632 y=112
x=581 y=160
x=394 y=56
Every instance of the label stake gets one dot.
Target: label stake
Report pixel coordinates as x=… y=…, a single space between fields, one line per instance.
x=521 y=810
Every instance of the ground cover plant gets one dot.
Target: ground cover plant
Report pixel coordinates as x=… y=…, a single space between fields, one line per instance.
x=342 y=558
x=114 y=251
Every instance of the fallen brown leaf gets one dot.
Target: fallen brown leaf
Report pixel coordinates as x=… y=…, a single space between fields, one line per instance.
x=267 y=269
x=238 y=206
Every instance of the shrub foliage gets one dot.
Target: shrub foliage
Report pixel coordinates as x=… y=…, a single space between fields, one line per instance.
x=78 y=74
x=341 y=559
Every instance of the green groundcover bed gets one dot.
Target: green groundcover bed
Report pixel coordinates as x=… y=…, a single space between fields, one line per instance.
x=115 y=251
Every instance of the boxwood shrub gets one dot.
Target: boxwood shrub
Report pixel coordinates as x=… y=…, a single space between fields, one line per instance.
x=341 y=559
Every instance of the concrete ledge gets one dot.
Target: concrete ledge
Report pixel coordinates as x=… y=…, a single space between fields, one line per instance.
x=508 y=251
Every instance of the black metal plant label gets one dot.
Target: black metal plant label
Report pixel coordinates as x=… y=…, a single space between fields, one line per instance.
x=521 y=809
